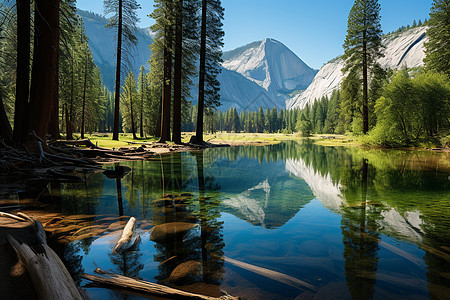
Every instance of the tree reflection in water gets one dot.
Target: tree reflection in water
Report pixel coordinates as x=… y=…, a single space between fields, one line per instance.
x=360 y=237
x=203 y=243
x=378 y=195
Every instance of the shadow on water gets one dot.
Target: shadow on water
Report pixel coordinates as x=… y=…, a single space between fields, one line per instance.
x=356 y=223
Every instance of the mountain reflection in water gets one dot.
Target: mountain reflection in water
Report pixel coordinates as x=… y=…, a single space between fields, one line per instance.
x=354 y=223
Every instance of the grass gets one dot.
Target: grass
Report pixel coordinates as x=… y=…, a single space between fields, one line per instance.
x=105 y=139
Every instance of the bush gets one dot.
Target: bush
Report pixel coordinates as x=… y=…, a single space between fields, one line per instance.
x=412 y=111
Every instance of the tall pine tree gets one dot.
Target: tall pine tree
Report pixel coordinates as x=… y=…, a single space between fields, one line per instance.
x=211 y=42
x=124 y=19
x=362 y=46
x=438 y=32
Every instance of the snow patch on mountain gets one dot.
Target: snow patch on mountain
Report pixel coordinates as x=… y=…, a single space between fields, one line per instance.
x=404 y=50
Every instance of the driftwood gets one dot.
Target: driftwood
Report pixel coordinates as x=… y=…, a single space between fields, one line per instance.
x=277 y=276
x=18 y=218
x=129 y=238
x=415 y=260
x=48 y=273
x=145 y=287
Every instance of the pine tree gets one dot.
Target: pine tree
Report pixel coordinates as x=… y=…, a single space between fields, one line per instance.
x=351 y=101
x=124 y=19
x=130 y=103
x=186 y=51
x=438 y=32
x=362 y=46
x=44 y=75
x=161 y=61
x=260 y=120
x=23 y=67
x=142 y=94
x=211 y=42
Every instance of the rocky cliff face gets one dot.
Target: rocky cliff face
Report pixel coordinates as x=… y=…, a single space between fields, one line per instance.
x=272 y=66
x=402 y=50
x=103 y=46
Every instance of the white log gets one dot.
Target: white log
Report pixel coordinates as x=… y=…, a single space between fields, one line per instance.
x=48 y=273
x=128 y=239
x=274 y=275
x=18 y=218
x=145 y=287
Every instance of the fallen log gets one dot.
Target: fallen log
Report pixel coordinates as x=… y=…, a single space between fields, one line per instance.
x=415 y=260
x=128 y=239
x=145 y=287
x=48 y=273
x=18 y=218
x=274 y=275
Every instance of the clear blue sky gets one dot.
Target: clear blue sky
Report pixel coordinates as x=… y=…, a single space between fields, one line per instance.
x=313 y=29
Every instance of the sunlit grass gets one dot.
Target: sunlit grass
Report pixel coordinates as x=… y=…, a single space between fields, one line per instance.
x=105 y=139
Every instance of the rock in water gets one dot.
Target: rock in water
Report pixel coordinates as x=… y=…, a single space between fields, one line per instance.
x=159 y=233
x=187 y=271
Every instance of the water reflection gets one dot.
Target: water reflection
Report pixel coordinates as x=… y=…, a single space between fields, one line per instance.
x=391 y=235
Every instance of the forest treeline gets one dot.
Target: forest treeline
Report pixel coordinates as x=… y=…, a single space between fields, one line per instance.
x=49 y=83
x=386 y=107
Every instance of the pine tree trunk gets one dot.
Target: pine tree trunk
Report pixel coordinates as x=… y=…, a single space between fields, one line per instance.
x=158 y=121
x=69 y=133
x=201 y=83
x=167 y=85
x=53 y=129
x=69 y=121
x=117 y=88
x=365 y=84
x=141 y=126
x=23 y=69
x=44 y=73
x=83 y=108
x=5 y=127
x=133 y=129
x=176 y=125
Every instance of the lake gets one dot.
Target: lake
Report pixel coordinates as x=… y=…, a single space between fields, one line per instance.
x=288 y=221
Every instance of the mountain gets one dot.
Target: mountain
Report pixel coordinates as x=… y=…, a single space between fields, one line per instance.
x=261 y=74
x=244 y=94
x=402 y=50
x=103 y=46
x=271 y=65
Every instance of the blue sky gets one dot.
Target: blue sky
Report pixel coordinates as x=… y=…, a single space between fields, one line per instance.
x=313 y=29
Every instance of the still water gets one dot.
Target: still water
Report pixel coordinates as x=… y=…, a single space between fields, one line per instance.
x=339 y=223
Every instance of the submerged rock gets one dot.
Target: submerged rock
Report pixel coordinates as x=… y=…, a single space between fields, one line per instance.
x=163 y=202
x=159 y=233
x=187 y=271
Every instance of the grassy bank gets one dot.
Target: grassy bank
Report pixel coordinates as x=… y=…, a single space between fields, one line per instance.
x=104 y=139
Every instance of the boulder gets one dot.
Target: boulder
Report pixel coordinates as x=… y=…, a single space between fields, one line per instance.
x=187 y=271
x=160 y=233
